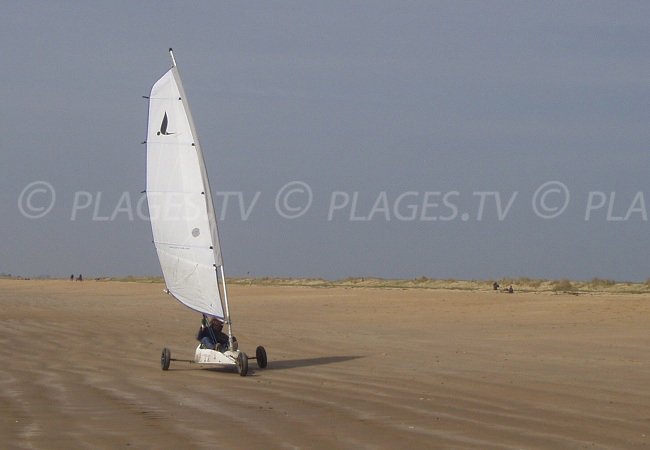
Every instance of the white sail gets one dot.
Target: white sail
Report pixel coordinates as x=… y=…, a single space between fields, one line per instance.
x=180 y=202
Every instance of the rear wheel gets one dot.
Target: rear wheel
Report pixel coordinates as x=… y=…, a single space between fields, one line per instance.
x=260 y=356
x=165 y=358
x=242 y=364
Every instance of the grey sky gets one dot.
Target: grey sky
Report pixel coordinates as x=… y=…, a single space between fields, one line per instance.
x=379 y=98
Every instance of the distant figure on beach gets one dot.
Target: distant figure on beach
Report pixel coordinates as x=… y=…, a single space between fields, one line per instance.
x=510 y=290
x=72 y=277
x=495 y=286
x=80 y=278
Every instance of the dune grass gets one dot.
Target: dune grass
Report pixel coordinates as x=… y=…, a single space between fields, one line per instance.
x=520 y=284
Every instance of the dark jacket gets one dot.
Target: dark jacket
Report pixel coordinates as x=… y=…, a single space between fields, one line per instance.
x=214 y=335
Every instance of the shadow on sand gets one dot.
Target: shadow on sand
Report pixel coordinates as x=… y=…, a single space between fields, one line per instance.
x=306 y=362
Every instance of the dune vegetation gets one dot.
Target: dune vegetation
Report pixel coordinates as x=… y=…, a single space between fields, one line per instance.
x=519 y=284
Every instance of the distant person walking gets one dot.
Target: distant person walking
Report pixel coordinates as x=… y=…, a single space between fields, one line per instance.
x=72 y=277
x=80 y=278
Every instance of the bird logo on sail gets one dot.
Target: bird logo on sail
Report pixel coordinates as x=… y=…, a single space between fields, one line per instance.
x=163 y=126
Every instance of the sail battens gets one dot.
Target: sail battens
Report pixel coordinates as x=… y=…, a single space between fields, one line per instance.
x=175 y=192
x=180 y=245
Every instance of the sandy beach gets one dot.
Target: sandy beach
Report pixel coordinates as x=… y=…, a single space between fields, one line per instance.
x=348 y=368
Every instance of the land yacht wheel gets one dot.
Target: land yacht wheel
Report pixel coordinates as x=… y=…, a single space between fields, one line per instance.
x=260 y=356
x=242 y=364
x=165 y=358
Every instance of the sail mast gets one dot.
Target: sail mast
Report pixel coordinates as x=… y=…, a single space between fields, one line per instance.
x=219 y=258
x=226 y=309
x=171 y=53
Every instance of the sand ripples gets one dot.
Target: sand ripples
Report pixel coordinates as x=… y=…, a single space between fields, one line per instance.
x=86 y=375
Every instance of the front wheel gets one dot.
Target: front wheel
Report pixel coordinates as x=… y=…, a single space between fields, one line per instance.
x=165 y=358
x=242 y=364
x=260 y=356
